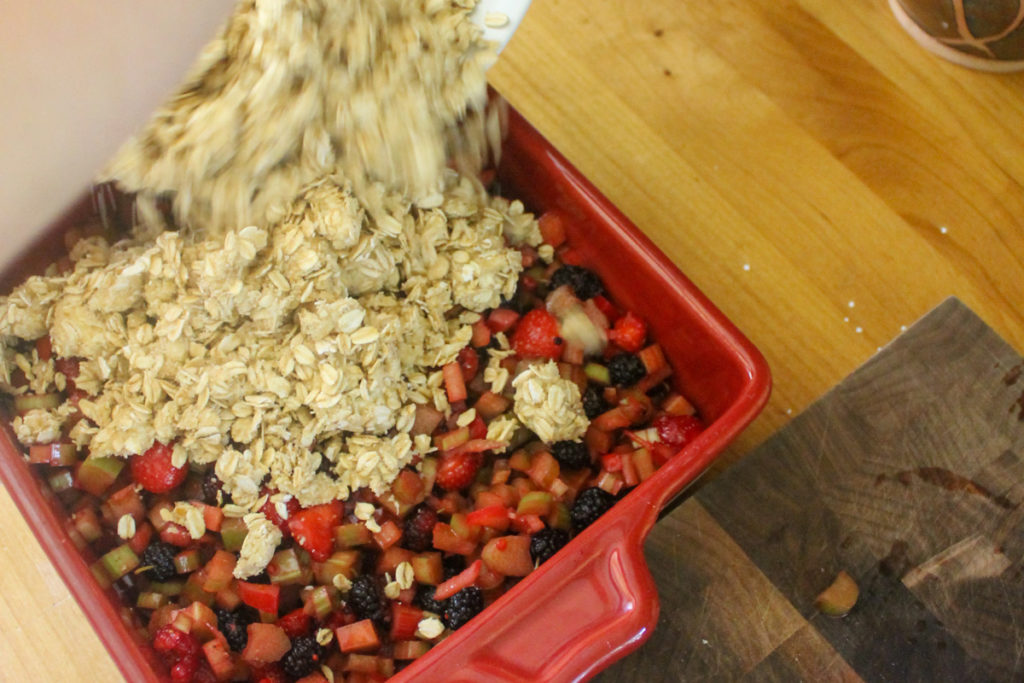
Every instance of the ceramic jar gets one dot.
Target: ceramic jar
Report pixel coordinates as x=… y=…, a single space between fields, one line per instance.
x=981 y=34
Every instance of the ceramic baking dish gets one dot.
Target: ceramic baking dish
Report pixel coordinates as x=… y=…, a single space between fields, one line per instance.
x=595 y=601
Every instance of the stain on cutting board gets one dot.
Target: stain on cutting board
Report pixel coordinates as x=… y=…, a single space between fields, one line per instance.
x=909 y=475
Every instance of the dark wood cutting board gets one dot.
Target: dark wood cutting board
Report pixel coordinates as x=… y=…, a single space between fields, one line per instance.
x=908 y=475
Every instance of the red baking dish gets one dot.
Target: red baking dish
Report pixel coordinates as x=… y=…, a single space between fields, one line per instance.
x=595 y=601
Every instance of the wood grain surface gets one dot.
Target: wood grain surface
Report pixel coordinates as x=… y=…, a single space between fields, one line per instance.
x=909 y=475
x=820 y=177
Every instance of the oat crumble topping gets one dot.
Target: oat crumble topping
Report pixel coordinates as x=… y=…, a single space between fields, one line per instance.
x=548 y=404
x=429 y=628
x=258 y=547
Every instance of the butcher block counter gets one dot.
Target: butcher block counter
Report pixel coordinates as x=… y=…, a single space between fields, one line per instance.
x=856 y=206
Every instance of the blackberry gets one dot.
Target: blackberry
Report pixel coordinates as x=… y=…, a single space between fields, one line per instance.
x=159 y=557
x=626 y=370
x=211 y=487
x=590 y=504
x=425 y=599
x=593 y=402
x=367 y=600
x=234 y=626
x=546 y=543
x=572 y=454
x=418 y=535
x=584 y=283
x=453 y=564
x=303 y=658
x=463 y=606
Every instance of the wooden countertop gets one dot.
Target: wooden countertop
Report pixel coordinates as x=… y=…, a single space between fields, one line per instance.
x=818 y=175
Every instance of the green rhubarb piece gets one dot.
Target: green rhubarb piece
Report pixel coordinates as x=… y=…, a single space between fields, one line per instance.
x=597 y=373
x=95 y=475
x=187 y=561
x=321 y=601
x=99 y=572
x=120 y=561
x=284 y=567
x=168 y=588
x=535 y=503
x=232 y=533
x=352 y=535
x=151 y=600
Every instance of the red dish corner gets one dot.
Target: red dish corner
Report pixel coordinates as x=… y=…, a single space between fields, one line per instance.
x=593 y=603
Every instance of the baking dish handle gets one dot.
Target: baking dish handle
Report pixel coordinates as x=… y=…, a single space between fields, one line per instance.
x=592 y=605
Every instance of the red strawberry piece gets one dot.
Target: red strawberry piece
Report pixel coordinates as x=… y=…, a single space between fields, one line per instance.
x=269 y=673
x=678 y=430
x=269 y=509
x=153 y=469
x=477 y=428
x=313 y=528
x=457 y=470
x=296 y=623
x=629 y=332
x=536 y=336
x=174 y=643
x=469 y=361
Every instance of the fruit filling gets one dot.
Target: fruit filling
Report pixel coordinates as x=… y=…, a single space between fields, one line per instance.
x=556 y=405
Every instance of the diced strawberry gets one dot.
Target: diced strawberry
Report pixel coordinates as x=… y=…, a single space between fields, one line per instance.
x=469 y=361
x=678 y=430
x=552 y=228
x=481 y=334
x=263 y=597
x=454 y=382
x=154 y=471
x=296 y=623
x=357 y=637
x=268 y=673
x=629 y=332
x=457 y=470
x=477 y=429
x=176 y=535
x=405 y=620
x=501 y=319
x=537 y=336
x=269 y=509
x=313 y=528
x=69 y=367
x=607 y=307
x=174 y=643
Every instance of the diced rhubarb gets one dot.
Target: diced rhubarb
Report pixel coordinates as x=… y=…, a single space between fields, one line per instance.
x=490 y=405
x=188 y=561
x=502 y=319
x=493 y=516
x=426 y=420
x=175 y=534
x=95 y=475
x=120 y=561
x=87 y=523
x=454 y=382
x=449 y=440
x=142 y=537
x=56 y=454
x=219 y=570
x=535 y=503
x=544 y=469
x=232 y=533
x=266 y=643
x=405 y=620
x=463 y=579
x=285 y=568
x=481 y=334
x=218 y=656
x=410 y=649
x=644 y=463
x=352 y=535
x=389 y=534
x=508 y=555
x=126 y=501
x=340 y=562
x=23 y=403
x=392 y=557
x=408 y=487
x=427 y=568
x=263 y=597
x=296 y=623
x=357 y=637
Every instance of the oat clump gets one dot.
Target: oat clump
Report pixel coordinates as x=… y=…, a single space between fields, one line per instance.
x=294 y=90
x=292 y=356
x=548 y=404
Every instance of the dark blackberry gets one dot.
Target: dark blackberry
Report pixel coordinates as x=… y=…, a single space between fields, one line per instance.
x=367 y=600
x=546 y=543
x=159 y=558
x=593 y=402
x=572 y=454
x=626 y=369
x=211 y=487
x=234 y=626
x=453 y=564
x=590 y=504
x=418 y=535
x=425 y=599
x=463 y=606
x=585 y=283
x=303 y=658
